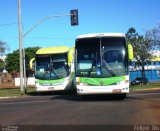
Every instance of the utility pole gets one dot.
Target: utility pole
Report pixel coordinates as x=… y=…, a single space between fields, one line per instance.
x=20 y=47
x=24 y=67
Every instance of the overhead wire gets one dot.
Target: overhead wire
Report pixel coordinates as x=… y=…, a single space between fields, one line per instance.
x=8 y=24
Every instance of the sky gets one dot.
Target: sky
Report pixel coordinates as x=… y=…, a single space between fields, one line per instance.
x=95 y=16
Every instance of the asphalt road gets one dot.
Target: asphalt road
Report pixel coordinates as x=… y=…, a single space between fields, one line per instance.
x=61 y=109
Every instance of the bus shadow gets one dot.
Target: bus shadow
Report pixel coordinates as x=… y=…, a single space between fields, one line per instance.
x=75 y=97
x=71 y=95
x=50 y=93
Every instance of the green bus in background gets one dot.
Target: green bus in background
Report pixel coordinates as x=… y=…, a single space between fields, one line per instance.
x=54 y=68
x=102 y=64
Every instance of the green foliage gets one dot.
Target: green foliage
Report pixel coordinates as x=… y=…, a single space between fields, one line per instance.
x=2 y=65
x=153 y=36
x=3 y=47
x=141 y=47
x=12 y=60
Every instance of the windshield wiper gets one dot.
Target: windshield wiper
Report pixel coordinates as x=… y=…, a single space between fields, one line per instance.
x=45 y=73
x=89 y=74
x=52 y=69
x=93 y=62
x=108 y=67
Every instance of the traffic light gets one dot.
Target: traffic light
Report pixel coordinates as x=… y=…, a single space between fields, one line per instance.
x=74 y=17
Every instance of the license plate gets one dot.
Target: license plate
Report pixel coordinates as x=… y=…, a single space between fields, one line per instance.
x=117 y=90
x=50 y=88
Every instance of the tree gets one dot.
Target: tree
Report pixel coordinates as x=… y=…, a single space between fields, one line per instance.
x=141 y=46
x=3 y=47
x=12 y=60
x=2 y=65
x=153 y=36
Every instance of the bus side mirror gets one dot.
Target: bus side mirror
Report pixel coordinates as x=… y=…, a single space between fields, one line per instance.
x=70 y=56
x=130 y=52
x=32 y=63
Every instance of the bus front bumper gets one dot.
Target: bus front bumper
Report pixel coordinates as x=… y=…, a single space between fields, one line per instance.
x=116 y=89
x=66 y=85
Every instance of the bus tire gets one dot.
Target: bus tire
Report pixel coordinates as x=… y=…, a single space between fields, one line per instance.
x=123 y=96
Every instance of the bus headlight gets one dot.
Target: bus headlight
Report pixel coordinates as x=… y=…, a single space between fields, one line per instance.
x=82 y=84
x=126 y=81
x=77 y=79
x=122 y=82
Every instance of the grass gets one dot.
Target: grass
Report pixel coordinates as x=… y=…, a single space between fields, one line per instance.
x=150 y=85
x=10 y=92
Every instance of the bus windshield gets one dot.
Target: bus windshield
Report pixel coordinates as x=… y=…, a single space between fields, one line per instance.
x=101 y=57
x=51 y=66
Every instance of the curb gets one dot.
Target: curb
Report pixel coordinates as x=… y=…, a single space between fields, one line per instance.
x=8 y=97
x=149 y=89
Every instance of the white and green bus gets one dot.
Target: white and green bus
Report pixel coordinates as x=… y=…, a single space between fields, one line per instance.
x=101 y=64
x=53 y=68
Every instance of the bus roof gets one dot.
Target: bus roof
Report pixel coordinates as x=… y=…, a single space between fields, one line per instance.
x=53 y=50
x=101 y=35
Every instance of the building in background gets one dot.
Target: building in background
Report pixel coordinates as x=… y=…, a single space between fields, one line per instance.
x=152 y=70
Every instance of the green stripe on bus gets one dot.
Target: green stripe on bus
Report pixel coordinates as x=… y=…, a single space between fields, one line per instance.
x=51 y=81
x=102 y=81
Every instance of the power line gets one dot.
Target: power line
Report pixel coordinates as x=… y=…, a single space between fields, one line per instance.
x=8 y=24
x=49 y=38
x=61 y=38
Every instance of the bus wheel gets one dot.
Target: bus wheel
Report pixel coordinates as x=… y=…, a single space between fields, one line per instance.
x=84 y=97
x=123 y=96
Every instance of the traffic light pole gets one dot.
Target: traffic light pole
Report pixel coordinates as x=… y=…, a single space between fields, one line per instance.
x=23 y=83
x=43 y=19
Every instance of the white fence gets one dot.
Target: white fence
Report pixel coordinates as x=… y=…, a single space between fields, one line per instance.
x=30 y=81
